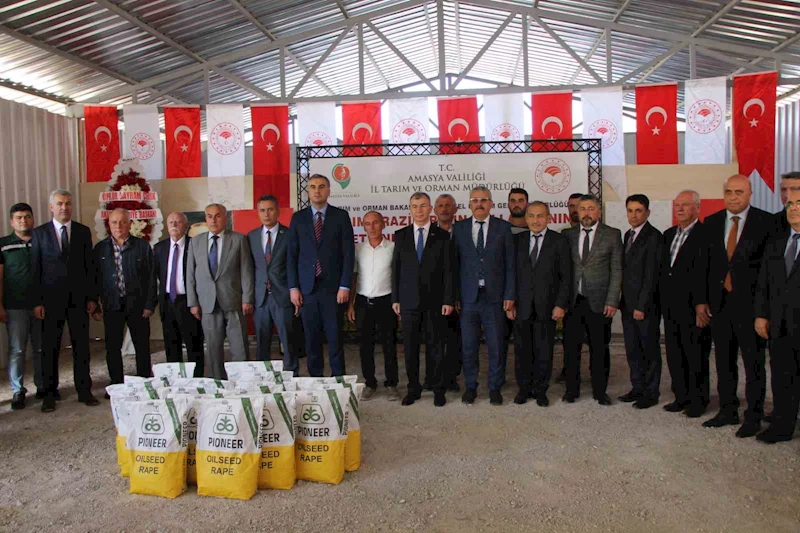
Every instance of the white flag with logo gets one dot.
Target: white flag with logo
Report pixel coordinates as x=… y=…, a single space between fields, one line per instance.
x=705 y=107
x=408 y=121
x=602 y=119
x=143 y=139
x=225 y=147
x=504 y=117
x=317 y=123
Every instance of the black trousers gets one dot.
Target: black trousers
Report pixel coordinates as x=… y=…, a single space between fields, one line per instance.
x=52 y=329
x=376 y=321
x=453 y=345
x=784 y=360
x=181 y=327
x=533 y=361
x=688 y=350
x=580 y=321
x=732 y=329
x=425 y=327
x=114 y=322
x=643 y=350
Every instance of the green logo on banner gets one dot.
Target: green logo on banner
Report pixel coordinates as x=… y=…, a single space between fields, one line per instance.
x=341 y=174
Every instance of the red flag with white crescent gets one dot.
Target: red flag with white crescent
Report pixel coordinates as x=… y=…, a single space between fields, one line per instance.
x=182 y=132
x=361 y=124
x=657 y=124
x=753 y=113
x=552 y=119
x=271 y=152
x=102 y=141
x=458 y=122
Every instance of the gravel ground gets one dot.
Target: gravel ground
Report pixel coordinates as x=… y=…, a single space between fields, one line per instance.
x=579 y=467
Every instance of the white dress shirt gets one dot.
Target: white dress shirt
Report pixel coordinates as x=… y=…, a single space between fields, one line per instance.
x=426 y=230
x=264 y=231
x=58 y=225
x=179 y=281
x=729 y=224
x=533 y=242
x=374 y=269
x=219 y=245
x=682 y=235
x=476 y=227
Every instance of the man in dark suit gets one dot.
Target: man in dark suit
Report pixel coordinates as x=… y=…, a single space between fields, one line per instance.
x=445 y=211
x=778 y=320
x=487 y=288
x=273 y=306
x=65 y=290
x=688 y=346
x=596 y=251
x=128 y=292
x=320 y=259
x=790 y=182
x=179 y=325
x=641 y=316
x=735 y=242
x=423 y=295
x=544 y=282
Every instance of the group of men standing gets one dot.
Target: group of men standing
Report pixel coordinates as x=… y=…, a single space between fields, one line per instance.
x=731 y=278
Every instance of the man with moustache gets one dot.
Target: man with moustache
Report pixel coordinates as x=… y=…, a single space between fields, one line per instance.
x=179 y=325
x=16 y=308
x=445 y=211
x=688 y=346
x=572 y=208
x=735 y=239
x=790 y=182
x=486 y=278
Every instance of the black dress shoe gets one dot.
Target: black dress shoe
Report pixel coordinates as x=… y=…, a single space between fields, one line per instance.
x=722 y=419
x=675 y=407
x=767 y=418
x=495 y=398
x=768 y=436
x=57 y=395
x=562 y=377
x=630 y=397
x=695 y=411
x=107 y=396
x=645 y=402
x=409 y=399
x=453 y=387
x=748 y=429
x=88 y=398
x=438 y=399
x=48 y=404
x=603 y=400
x=568 y=397
x=18 y=401
x=521 y=397
x=469 y=396
x=40 y=394
x=542 y=401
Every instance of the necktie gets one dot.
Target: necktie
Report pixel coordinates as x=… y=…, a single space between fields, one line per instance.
x=535 y=251
x=791 y=254
x=629 y=243
x=730 y=247
x=212 y=256
x=64 y=243
x=268 y=254
x=676 y=245
x=119 y=270
x=586 y=246
x=318 y=237
x=420 y=244
x=481 y=249
x=173 y=276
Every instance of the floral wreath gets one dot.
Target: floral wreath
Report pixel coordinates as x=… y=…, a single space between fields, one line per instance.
x=127 y=177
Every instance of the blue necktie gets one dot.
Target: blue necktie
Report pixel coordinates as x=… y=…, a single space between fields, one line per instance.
x=212 y=256
x=420 y=244
x=173 y=275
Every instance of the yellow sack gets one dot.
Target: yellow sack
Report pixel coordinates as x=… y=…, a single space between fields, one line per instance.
x=352 y=450
x=174 y=370
x=228 y=446
x=321 y=434
x=157 y=444
x=120 y=396
x=277 y=468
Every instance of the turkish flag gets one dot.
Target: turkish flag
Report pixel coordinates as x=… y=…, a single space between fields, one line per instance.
x=271 y=152
x=102 y=141
x=458 y=122
x=753 y=115
x=552 y=120
x=657 y=124
x=182 y=131
x=361 y=124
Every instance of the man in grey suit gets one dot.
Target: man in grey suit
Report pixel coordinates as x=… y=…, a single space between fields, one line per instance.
x=596 y=251
x=219 y=289
x=273 y=306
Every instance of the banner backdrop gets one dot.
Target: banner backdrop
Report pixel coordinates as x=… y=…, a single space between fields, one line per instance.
x=704 y=142
x=143 y=140
x=385 y=184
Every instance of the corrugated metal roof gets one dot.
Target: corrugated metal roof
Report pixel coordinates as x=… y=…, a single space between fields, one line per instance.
x=77 y=50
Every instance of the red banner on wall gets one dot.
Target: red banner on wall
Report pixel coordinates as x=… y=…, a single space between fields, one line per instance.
x=361 y=124
x=552 y=119
x=182 y=131
x=271 y=152
x=657 y=125
x=102 y=141
x=753 y=115
x=458 y=122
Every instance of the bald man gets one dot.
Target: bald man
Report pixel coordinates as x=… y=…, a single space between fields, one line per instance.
x=735 y=239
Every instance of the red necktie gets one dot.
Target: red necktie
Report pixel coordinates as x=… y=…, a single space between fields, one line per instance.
x=318 y=236
x=268 y=254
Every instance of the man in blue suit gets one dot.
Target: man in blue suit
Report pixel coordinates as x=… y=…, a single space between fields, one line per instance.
x=485 y=251
x=319 y=268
